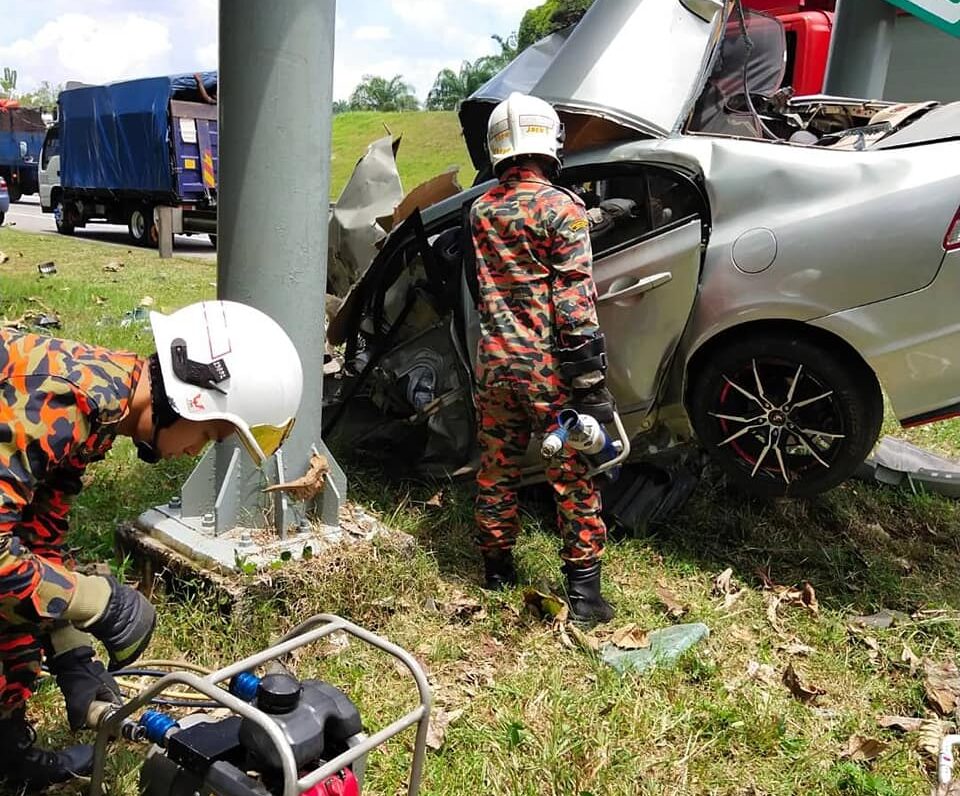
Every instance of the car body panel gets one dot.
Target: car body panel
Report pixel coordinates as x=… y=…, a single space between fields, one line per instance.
x=4 y=198
x=586 y=70
x=912 y=342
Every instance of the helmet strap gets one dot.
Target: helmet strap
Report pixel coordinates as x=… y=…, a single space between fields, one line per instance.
x=162 y=412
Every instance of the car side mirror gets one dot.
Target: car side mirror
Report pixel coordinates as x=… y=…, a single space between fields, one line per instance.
x=23 y=149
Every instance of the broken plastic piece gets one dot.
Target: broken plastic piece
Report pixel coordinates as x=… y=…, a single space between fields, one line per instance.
x=47 y=268
x=666 y=645
x=895 y=461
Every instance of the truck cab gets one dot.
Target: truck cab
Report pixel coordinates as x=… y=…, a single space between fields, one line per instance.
x=50 y=168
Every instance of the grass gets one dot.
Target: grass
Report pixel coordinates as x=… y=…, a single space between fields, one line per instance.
x=540 y=718
x=431 y=143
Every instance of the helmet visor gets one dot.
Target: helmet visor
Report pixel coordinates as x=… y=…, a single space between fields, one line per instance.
x=268 y=438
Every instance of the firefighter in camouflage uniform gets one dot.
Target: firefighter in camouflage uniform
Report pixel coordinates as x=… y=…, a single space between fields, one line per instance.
x=540 y=347
x=220 y=368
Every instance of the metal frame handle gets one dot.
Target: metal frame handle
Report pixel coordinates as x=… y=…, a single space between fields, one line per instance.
x=638 y=288
x=621 y=457
x=314 y=629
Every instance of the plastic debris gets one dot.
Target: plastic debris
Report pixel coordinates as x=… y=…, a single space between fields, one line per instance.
x=664 y=647
x=896 y=461
x=48 y=268
x=137 y=316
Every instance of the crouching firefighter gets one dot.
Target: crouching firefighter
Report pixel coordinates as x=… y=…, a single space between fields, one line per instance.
x=540 y=347
x=220 y=368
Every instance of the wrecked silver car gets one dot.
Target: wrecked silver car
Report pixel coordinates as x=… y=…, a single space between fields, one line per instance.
x=767 y=265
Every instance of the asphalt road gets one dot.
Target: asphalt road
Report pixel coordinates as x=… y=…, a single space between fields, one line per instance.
x=25 y=216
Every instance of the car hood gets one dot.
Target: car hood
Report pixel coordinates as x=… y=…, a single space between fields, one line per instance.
x=628 y=67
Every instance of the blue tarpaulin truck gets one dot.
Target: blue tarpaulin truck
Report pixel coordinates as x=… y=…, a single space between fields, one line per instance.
x=121 y=151
x=21 y=136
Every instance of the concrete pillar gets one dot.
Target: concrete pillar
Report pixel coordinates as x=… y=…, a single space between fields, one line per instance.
x=860 y=48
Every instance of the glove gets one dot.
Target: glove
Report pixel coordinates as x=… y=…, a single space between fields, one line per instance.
x=81 y=677
x=597 y=401
x=584 y=366
x=116 y=614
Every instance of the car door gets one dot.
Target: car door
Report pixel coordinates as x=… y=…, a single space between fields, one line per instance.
x=647 y=234
x=49 y=176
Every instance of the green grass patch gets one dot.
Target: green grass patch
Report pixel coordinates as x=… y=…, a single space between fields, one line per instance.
x=541 y=718
x=431 y=143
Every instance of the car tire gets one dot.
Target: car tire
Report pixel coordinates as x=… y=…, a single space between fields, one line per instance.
x=141 y=226
x=64 y=227
x=813 y=419
x=213 y=240
x=13 y=191
x=2 y=217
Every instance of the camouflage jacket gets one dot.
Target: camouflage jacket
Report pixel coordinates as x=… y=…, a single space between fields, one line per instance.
x=534 y=268
x=60 y=403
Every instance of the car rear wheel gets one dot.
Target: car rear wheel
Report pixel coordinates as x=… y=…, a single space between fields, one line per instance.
x=13 y=190
x=783 y=416
x=142 y=226
x=2 y=216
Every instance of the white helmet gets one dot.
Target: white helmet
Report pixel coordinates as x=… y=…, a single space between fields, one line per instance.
x=222 y=360
x=523 y=125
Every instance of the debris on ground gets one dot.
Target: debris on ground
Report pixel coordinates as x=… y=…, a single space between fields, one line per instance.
x=941 y=683
x=725 y=586
x=896 y=462
x=4 y=258
x=440 y=720
x=778 y=595
x=113 y=266
x=862 y=749
x=799 y=687
x=48 y=268
x=310 y=484
x=545 y=606
x=881 y=620
x=664 y=647
x=675 y=609
x=147 y=301
x=138 y=316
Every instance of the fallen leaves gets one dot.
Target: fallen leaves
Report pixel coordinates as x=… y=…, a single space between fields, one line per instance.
x=4 y=258
x=761 y=672
x=881 y=620
x=545 y=606
x=902 y=723
x=113 y=266
x=797 y=686
x=440 y=720
x=724 y=586
x=803 y=596
x=630 y=637
x=436 y=501
x=147 y=301
x=941 y=682
x=909 y=657
x=309 y=485
x=861 y=749
x=795 y=647
x=675 y=609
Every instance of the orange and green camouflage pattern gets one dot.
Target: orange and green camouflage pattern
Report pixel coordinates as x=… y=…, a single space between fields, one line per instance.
x=60 y=403
x=534 y=268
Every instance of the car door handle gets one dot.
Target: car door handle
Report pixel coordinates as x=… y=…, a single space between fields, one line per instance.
x=637 y=288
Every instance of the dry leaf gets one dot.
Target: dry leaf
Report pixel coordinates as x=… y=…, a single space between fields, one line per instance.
x=462 y=607
x=902 y=723
x=588 y=641
x=147 y=301
x=436 y=501
x=795 y=648
x=761 y=672
x=630 y=637
x=545 y=606
x=909 y=657
x=675 y=608
x=309 y=485
x=941 y=681
x=111 y=268
x=723 y=583
x=929 y=737
x=860 y=748
x=773 y=603
x=4 y=258
x=100 y=299
x=802 y=691
x=808 y=598
x=440 y=719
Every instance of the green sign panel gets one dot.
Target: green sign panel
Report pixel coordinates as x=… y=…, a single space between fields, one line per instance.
x=944 y=14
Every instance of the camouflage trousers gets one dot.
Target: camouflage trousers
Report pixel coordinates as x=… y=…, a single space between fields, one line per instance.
x=34 y=590
x=508 y=417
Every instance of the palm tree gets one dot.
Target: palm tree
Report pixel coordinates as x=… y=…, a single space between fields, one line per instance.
x=376 y=93
x=450 y=87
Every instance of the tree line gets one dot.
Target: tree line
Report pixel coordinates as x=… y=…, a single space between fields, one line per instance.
x=376 y=93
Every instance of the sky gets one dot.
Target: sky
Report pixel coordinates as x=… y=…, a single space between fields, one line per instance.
x=100 y=41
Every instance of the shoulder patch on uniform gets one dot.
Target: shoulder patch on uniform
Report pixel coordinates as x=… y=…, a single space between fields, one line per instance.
x=580 y=223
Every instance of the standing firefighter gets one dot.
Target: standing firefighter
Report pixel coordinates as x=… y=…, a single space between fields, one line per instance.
x=220 y=368
x=540 y=347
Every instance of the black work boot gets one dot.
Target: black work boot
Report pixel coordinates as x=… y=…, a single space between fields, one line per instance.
x=498 y=571
x=26 y=765
x=583 y=594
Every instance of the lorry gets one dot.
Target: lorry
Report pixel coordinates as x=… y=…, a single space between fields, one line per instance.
x=922 y=57
x=21 y=136
x=120 y=152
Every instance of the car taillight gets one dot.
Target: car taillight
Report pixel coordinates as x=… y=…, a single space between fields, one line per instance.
x=3 y=183
x=951 y=240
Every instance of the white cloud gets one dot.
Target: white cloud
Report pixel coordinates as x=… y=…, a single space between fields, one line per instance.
x=93 y=50
x=421 y=13
x=208 y=55
x=373 y=33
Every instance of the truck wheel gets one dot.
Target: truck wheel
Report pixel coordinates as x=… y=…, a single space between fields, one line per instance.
x=13 y=189
x=2 y=216
x=142 y=227
x=64 y=227
x=213 y=240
